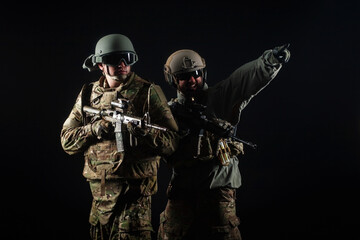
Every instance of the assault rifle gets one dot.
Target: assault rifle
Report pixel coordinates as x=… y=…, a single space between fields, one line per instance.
x=118 y=117
x=193 y=115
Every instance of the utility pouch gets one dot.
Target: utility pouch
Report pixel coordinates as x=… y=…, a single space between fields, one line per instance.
x=223 y=152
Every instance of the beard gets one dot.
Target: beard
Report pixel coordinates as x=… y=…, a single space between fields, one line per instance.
x=194 y=89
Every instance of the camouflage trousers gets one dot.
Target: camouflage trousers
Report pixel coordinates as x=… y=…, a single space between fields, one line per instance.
x=120 y=213
x=204 y=215
x=107 y=232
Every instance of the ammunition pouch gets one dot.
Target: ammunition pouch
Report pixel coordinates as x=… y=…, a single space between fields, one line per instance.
x=103 y=158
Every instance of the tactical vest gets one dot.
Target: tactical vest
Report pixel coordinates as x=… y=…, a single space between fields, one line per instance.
x=102 y=161
x=198 y=145
x=203 y=159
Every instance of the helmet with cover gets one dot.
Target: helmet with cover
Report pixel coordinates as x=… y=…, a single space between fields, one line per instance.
x=181 y=62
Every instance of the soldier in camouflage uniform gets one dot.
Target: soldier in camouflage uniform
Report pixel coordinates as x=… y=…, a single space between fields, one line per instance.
x=121 y=182
x=202 y=190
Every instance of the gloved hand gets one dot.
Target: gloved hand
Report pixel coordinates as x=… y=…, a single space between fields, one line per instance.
x=136 y=131
x=281 y=53
x=102 y=129
x=227 y=129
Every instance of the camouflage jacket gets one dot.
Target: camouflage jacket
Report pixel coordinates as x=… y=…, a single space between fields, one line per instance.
x=101 y=156
x=194 y=167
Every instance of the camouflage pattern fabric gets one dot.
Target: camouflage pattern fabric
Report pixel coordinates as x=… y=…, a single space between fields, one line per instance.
x=121 y=183
x=76 y=138
x=122 y=213
x=192 y=215
x=208 y=210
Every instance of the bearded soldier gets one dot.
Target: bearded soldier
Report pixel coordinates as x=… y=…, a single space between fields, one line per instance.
x=205 y=176
x=123 y=180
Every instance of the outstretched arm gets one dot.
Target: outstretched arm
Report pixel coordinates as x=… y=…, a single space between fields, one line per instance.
x=228 y=97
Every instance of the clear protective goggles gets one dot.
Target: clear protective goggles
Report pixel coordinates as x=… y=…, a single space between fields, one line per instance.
x=115 y=59
x=186 y=76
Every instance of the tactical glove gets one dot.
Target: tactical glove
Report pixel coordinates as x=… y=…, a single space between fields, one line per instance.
x=102 y=129
x=136 y=131
x=281 y=53
x=225 y=128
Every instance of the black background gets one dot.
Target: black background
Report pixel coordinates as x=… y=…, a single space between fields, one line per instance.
x=301 y=182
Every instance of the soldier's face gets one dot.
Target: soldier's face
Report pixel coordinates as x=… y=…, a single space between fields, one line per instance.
x=118 y=70
x=190 y=82
x=115 y=74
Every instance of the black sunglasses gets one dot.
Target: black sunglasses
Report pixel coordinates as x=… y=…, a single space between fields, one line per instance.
x=186 y=76
x=128 y=58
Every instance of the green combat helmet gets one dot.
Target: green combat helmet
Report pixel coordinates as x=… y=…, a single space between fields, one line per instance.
x=183 y=61
x=111 y=49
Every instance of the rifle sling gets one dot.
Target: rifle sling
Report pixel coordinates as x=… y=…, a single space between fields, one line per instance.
x=85 y=100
